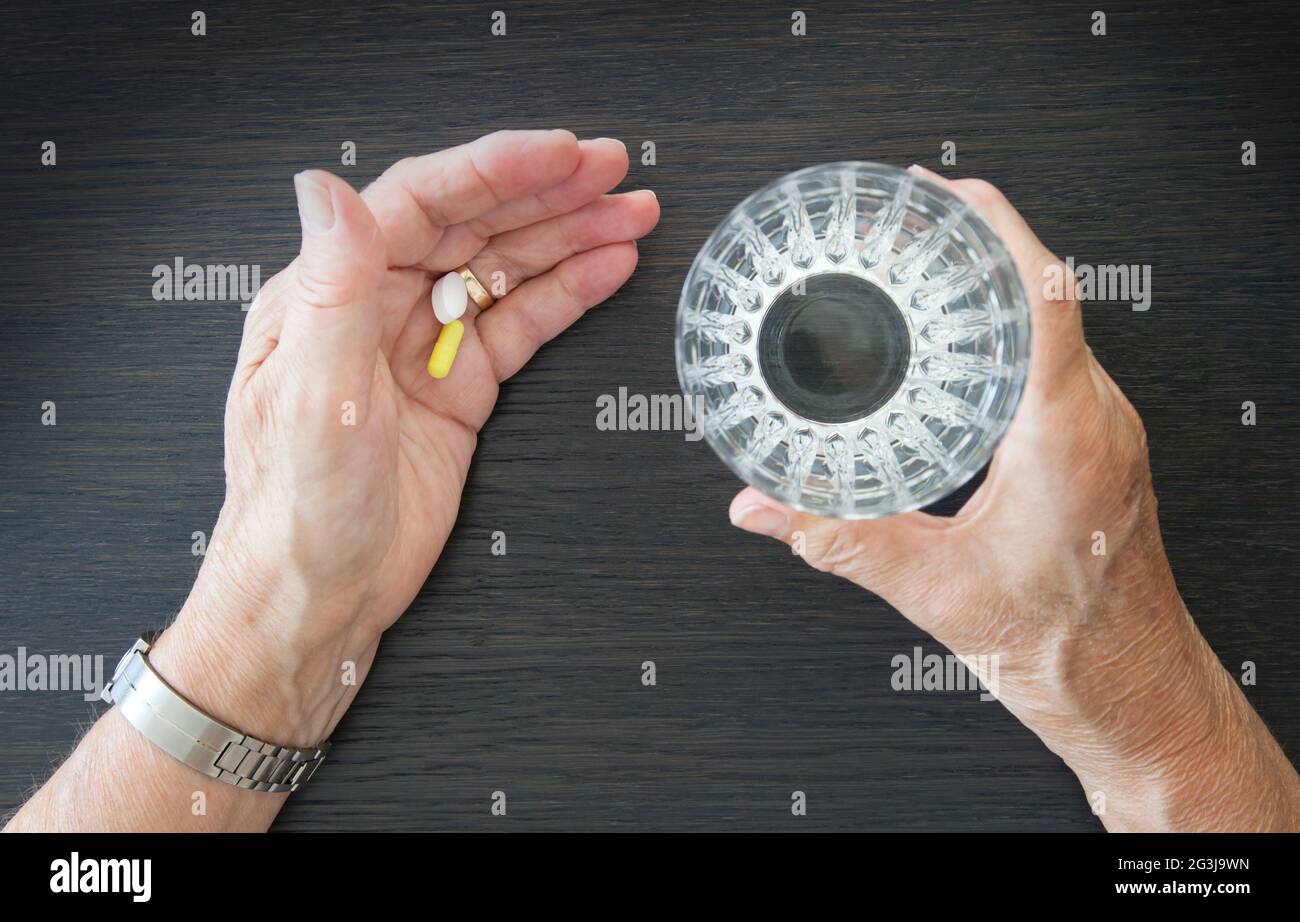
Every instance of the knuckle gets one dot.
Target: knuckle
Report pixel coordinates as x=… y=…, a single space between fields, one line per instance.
x=325 y=282
x=1128 y=427
x=325 y=288
x=836 y=553
x=1057 y=279
x=1137 y=428
x=486 y=257
x=532 y=329
x=389 y=181
x=397 y=168
x=570 y=288
x=982 y=192
x=487 y=187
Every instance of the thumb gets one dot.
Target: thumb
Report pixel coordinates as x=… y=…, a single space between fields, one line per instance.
x=332 y=317
x=885 y=556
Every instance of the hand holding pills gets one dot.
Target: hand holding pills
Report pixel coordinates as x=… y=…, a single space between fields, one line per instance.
x=349 y=430
x=349 y=437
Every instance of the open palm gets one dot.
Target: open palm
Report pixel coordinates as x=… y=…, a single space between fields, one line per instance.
x=336 y=436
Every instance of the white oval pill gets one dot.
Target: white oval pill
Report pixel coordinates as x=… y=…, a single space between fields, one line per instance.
x=449 y=297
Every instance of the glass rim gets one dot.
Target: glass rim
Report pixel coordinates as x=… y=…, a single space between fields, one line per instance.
x=1015 y=317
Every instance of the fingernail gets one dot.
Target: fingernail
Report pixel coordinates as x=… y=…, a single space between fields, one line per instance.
x=762 y=520
x=615 y=140
x=315 y=206
x=922 y=171
x=652 y=194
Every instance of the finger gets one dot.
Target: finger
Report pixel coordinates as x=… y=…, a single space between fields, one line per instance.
x=399 y=291
x=601 y=167
x=518 y=255
x=1057 y=346
x=883 y=556
x=332 y=317
x=543 y=307
x=417 y=199
x=404 y=292
x=262 y=324
x=610 y=219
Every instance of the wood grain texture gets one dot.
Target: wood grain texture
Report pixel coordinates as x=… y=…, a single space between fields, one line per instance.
x=522 y=673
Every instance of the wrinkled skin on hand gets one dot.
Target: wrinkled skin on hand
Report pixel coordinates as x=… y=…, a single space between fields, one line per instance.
x=1096 y=652
x=345 y=460
x=1015 y=565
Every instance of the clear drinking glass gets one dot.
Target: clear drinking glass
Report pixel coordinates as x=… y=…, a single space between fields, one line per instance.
x=856 y=339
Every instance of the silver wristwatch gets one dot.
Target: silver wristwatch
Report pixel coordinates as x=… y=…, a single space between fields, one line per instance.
x=204 y=743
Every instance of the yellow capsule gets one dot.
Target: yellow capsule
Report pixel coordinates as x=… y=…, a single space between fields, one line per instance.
x=444 y=350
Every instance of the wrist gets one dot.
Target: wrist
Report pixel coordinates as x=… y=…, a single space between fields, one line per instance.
x=1201 y=760
x=1157 y=731
x=247 y=663
x=1143 y=722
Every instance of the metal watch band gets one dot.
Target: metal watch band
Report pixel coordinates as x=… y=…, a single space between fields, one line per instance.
x=204 y=743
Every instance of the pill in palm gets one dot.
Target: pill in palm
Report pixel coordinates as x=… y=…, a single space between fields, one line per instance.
x=444 y=350
x=449 y=297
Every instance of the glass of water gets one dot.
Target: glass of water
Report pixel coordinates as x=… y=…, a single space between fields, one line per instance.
x=856 y=339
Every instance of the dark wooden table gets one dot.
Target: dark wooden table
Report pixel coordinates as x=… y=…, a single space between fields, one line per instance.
x=522 y=673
